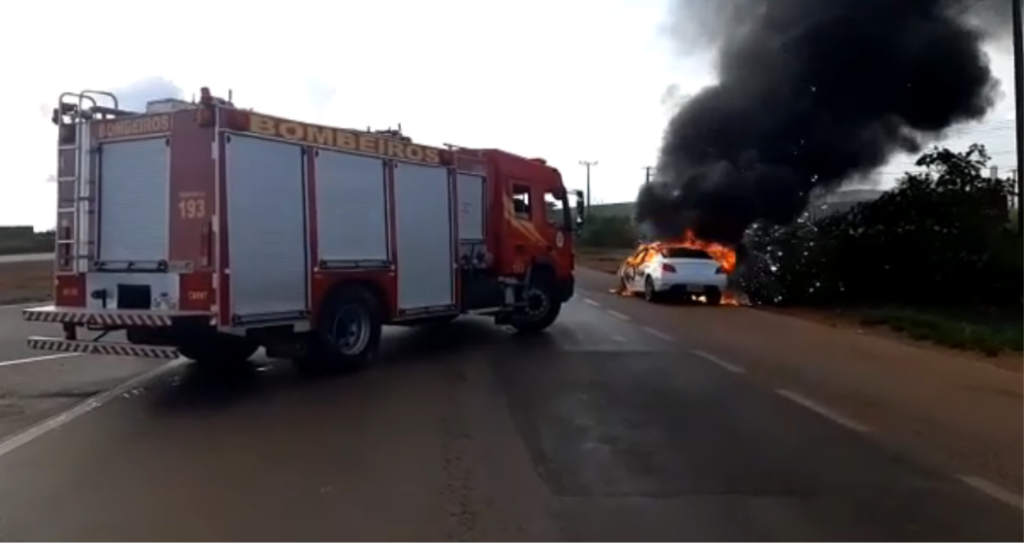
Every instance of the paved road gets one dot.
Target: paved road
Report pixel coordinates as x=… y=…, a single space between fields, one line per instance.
x=958 y=412
x=35 y=257
x=35 y=385
x=601 y=430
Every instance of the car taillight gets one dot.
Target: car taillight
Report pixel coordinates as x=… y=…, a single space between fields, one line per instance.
x=668 y=268
x=719 y=270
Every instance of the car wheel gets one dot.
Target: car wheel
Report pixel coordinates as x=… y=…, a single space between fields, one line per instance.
x=713 y=298
x=650 y=294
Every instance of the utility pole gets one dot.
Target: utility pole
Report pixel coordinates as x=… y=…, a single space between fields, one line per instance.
x=647 y=176
x=1018 y=72
x=587 y=164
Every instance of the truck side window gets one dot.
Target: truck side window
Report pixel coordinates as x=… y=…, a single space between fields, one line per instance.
x=521 y=201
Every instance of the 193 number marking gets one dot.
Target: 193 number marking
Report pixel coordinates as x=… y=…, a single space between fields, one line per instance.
x=192 y=208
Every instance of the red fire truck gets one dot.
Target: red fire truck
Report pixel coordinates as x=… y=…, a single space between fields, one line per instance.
x=207 y=231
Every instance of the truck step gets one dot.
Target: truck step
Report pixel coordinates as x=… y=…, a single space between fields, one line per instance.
x=102 y=348
x=109 y=317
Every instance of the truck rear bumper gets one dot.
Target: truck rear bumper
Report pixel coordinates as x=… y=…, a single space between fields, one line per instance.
x=102 y=348
x=112 y=317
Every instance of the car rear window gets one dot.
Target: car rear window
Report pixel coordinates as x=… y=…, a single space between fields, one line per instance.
x=683 y=252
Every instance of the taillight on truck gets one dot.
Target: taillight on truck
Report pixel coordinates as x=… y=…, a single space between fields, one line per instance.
x=719 y=270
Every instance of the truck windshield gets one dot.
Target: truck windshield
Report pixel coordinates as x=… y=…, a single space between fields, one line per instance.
x=557 y=210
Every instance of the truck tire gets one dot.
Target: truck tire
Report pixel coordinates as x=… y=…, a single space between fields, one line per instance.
x=541 y=311
x=347 y=333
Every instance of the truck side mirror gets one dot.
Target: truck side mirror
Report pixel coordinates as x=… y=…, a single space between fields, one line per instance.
x=581 y=210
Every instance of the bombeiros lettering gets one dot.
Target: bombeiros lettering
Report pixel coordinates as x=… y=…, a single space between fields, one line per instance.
x=344 y=140
x=136 y=126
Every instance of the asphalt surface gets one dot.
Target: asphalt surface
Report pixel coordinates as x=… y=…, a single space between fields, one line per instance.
x=607 y=428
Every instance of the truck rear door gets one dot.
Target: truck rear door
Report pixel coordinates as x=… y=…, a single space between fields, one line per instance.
x=134 y=203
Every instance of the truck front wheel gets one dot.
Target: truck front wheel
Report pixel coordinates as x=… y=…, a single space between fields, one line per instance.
x=347 y=333
x=540 y=311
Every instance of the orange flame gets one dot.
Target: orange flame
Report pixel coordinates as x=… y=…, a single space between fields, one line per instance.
x=724 y=255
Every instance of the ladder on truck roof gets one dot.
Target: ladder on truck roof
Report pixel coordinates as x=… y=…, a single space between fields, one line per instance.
x=74 y=243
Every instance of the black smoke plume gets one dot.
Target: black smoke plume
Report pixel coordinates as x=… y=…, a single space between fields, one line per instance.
x=811 y=93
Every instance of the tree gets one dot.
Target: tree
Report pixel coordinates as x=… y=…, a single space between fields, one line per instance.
x=941 y=237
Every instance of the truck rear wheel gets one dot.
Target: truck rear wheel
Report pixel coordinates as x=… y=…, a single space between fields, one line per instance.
x=347 y=333
x=541 y=311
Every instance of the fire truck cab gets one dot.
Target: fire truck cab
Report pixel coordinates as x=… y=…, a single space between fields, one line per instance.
x=207 y=231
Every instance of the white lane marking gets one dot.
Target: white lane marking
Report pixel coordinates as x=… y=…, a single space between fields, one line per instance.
x=992 y=490
x=658 y=334
x=715 y=360
x=588 y=301
x=52 y=423
x=618 y=315
x=620 y=339
x=37 y=359
x=822 y=410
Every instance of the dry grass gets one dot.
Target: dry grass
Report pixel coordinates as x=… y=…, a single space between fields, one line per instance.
x=26 y=282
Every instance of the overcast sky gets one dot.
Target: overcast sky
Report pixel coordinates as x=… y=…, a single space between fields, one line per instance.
x=564 y=80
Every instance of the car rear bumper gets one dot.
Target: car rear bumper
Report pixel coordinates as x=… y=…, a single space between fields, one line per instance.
x=691 y=287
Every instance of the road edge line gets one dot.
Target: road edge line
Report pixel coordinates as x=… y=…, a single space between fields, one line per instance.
x=620 y=316
x=43 y=358
x=822 y=410
x=992 y=490
x=718 y=361
x=31 y=433
x=658 y=334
